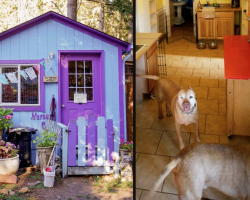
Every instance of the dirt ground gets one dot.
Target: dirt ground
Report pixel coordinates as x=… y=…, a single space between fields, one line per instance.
x=73 y=187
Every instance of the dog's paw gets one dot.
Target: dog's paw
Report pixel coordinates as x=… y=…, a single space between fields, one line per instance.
x=169 y=114
x=160 y=116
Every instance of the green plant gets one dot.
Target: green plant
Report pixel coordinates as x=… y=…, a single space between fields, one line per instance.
x=6 y=118
x=8 y=150
x=126 y=145
x=79 y=195
x=48 y=135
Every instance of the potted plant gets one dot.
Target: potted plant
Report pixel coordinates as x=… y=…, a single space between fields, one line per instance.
x=45 y=142
x=5 y=119
x=126 y=160
x=9 y=159
x=126 y=148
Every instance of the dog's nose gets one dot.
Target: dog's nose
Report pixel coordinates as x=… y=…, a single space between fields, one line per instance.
x=186 y=105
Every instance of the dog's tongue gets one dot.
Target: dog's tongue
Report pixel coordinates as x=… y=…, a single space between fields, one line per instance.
x=186 y=106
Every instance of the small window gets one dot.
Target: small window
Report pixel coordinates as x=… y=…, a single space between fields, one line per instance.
x=80 y=79
x=25 y=92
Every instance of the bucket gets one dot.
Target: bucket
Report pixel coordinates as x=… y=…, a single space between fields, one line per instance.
x=44 y=154
x=48 y=177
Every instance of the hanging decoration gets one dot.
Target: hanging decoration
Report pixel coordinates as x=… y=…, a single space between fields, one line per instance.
x=30 y=72
x=53 y=109
x=3 y=79
x=12 y=77
x=36 y=68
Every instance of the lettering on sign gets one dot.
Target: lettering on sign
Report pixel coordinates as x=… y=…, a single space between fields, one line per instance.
x=36 y=116
x=50 y=79
x=80 y=98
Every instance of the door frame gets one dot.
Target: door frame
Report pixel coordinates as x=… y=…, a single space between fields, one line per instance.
x=102 y=76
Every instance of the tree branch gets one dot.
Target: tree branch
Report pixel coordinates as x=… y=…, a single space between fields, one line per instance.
x=57 y=7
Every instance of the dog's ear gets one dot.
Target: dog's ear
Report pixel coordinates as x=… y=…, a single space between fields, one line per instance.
x=190 y=88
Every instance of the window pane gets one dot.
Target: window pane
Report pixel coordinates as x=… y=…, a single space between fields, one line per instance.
x=80 y=67
x=80 y=80
x=89 y=81
x=10 y=91
x=71 y=94
x=88 y=66
x=29 y=89
x=72 y=68
x=89 y=92
x=72 y=81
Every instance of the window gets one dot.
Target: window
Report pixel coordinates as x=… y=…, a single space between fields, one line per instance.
x=25 y=92
x=80 y=79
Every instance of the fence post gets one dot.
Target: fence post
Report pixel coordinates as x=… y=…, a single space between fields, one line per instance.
x=110 y=141
x=91 y=140
x=64 y=149
x=72 y=143
x=101 y=144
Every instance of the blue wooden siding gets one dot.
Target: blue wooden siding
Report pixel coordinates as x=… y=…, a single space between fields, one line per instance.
x=51 y=36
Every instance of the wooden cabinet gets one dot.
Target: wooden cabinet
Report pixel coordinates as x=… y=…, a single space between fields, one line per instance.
x=216 y=28
x=238 y=107
x=205 y=28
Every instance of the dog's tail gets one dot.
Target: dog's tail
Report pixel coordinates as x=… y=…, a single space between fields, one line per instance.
x=163 y=175
x=154 y=77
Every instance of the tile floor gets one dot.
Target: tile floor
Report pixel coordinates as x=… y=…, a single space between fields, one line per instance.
x=156 y=139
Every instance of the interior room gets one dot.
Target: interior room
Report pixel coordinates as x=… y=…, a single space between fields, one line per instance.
x=219 y=89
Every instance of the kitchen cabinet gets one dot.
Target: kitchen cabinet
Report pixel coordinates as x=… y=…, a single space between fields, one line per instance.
x=215 y=28
x=206 y=28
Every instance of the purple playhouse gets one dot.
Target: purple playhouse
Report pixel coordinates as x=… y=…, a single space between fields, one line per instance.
x=84 y=70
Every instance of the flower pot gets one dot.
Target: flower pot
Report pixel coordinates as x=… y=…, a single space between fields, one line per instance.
x=124 y=152
x=44 y=154
x=9 y=166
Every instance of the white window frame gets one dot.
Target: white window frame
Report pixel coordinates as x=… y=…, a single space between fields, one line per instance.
x=19 y=86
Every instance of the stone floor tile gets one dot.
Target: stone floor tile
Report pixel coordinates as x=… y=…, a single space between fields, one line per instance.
x=158 y=196
x=211 y=193
x=136 y=156
x=138 y=193
x=167 y=123
x=217 y=93
x=201 y=92
x=169 y=186
x=222 y=82
x=174 y=57
x=216 y=125
x=145 y=118
x=218 y=60
x=148 y=170
x=184 y=72
x=171 y=71
x=201 y=72
x=235 y=139
x=188 y=58
x=147 y=140
x=206 y=138
x=217 y=73
x=144 y=105
x=210 y=65
x=221 y=65
x=209 y=82
x=169 y=144
x=222 y=107
x=177 y=79
x=203 y=59
x=208 y=106
x=195 y=65
x=169 y=62
x=179 y=64
x=190 y=81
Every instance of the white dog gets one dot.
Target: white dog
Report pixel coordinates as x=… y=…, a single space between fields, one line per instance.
x=181 y=102
x=201 y=165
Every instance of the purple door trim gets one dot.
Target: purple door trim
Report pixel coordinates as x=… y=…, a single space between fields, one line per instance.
x=102 y=74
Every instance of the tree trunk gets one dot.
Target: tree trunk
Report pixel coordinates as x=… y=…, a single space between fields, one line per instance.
x=72 y=9
x=101 y=18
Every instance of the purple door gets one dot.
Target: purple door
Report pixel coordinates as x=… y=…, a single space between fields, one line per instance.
x=81 y=73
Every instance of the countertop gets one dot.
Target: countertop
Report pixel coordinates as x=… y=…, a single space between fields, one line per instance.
x=148 y=39
x=236 y=57
x=222 y=9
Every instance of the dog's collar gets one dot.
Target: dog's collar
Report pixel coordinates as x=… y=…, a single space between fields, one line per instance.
x=191 y=111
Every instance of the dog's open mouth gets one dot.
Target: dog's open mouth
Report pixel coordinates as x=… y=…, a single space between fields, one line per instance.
x=186 y=106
